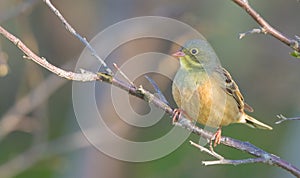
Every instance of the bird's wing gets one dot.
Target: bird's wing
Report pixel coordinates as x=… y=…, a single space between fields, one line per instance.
x=232 y=89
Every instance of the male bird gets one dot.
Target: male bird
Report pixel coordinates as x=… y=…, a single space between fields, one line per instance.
x=205 y=91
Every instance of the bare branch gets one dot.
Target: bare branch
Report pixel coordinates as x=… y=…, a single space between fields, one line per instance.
x=44 y=63
x=210 y=152
x=255 y=30
x=266 y=27
x=157 y=90
x=77 y=35
x=123 y=74
x=152 y=99
x=283 y=118
x=221 y=159
x=234 y=162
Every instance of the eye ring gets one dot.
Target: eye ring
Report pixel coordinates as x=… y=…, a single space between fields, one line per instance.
x=194 y=51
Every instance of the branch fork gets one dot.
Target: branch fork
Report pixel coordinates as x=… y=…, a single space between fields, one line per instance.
x=84 y=76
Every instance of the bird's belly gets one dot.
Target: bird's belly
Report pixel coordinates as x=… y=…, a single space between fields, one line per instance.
x=208 y=104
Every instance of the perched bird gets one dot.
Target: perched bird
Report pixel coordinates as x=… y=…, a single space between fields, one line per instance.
x=205 y=91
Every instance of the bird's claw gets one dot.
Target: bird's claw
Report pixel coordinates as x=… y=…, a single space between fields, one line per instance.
x=176 y=114
x=216 y=138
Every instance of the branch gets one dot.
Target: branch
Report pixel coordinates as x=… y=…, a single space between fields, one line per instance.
x=77 y=35
x=83 y=76
x=151 y=99
x=221 y=159
x=266 y=28
x=283 y=118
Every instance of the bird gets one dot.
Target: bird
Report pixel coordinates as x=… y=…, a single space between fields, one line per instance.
x=206 y=92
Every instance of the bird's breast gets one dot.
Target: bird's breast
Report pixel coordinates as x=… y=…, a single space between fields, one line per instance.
x=202 y=98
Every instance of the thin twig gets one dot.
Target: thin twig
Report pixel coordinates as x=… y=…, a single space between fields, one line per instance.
x=77 y=35
x=283 y=118
x=123 y=74
x=255 y=30
x=44 y=63
x=266 y=27
x=157 y=90
x=187 y=124
x=221 y=159
x=210 y=152
x=150 y=98
x=234 y=162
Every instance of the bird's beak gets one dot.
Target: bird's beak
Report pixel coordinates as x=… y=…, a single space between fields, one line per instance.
x=178 y=54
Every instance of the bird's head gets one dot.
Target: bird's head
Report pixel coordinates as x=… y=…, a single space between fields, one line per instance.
x=197 y=54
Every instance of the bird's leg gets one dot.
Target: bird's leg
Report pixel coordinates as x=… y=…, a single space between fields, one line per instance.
x=216 y=137
x=177 y=114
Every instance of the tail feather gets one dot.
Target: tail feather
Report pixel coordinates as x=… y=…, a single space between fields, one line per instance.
x=250 y=121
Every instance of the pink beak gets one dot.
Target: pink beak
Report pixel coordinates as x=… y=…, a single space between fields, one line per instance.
x=178 y=54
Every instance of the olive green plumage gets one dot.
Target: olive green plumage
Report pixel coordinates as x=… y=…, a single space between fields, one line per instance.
x=206 y=91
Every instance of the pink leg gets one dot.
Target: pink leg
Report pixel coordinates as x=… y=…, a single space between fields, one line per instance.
x=217 y=137
x=177 y=114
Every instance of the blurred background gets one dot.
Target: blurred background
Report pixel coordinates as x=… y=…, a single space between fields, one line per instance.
x=39 y=134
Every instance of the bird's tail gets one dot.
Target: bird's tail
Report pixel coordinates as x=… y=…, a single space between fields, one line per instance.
x=250 y=121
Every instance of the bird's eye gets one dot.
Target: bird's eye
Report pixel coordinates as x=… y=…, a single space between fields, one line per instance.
x=194 y=51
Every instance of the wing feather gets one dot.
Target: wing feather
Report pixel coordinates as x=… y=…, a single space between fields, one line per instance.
x=232 y=89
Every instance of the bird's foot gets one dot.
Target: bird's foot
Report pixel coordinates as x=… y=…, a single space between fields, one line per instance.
x=176 y=114
x=216 y=137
